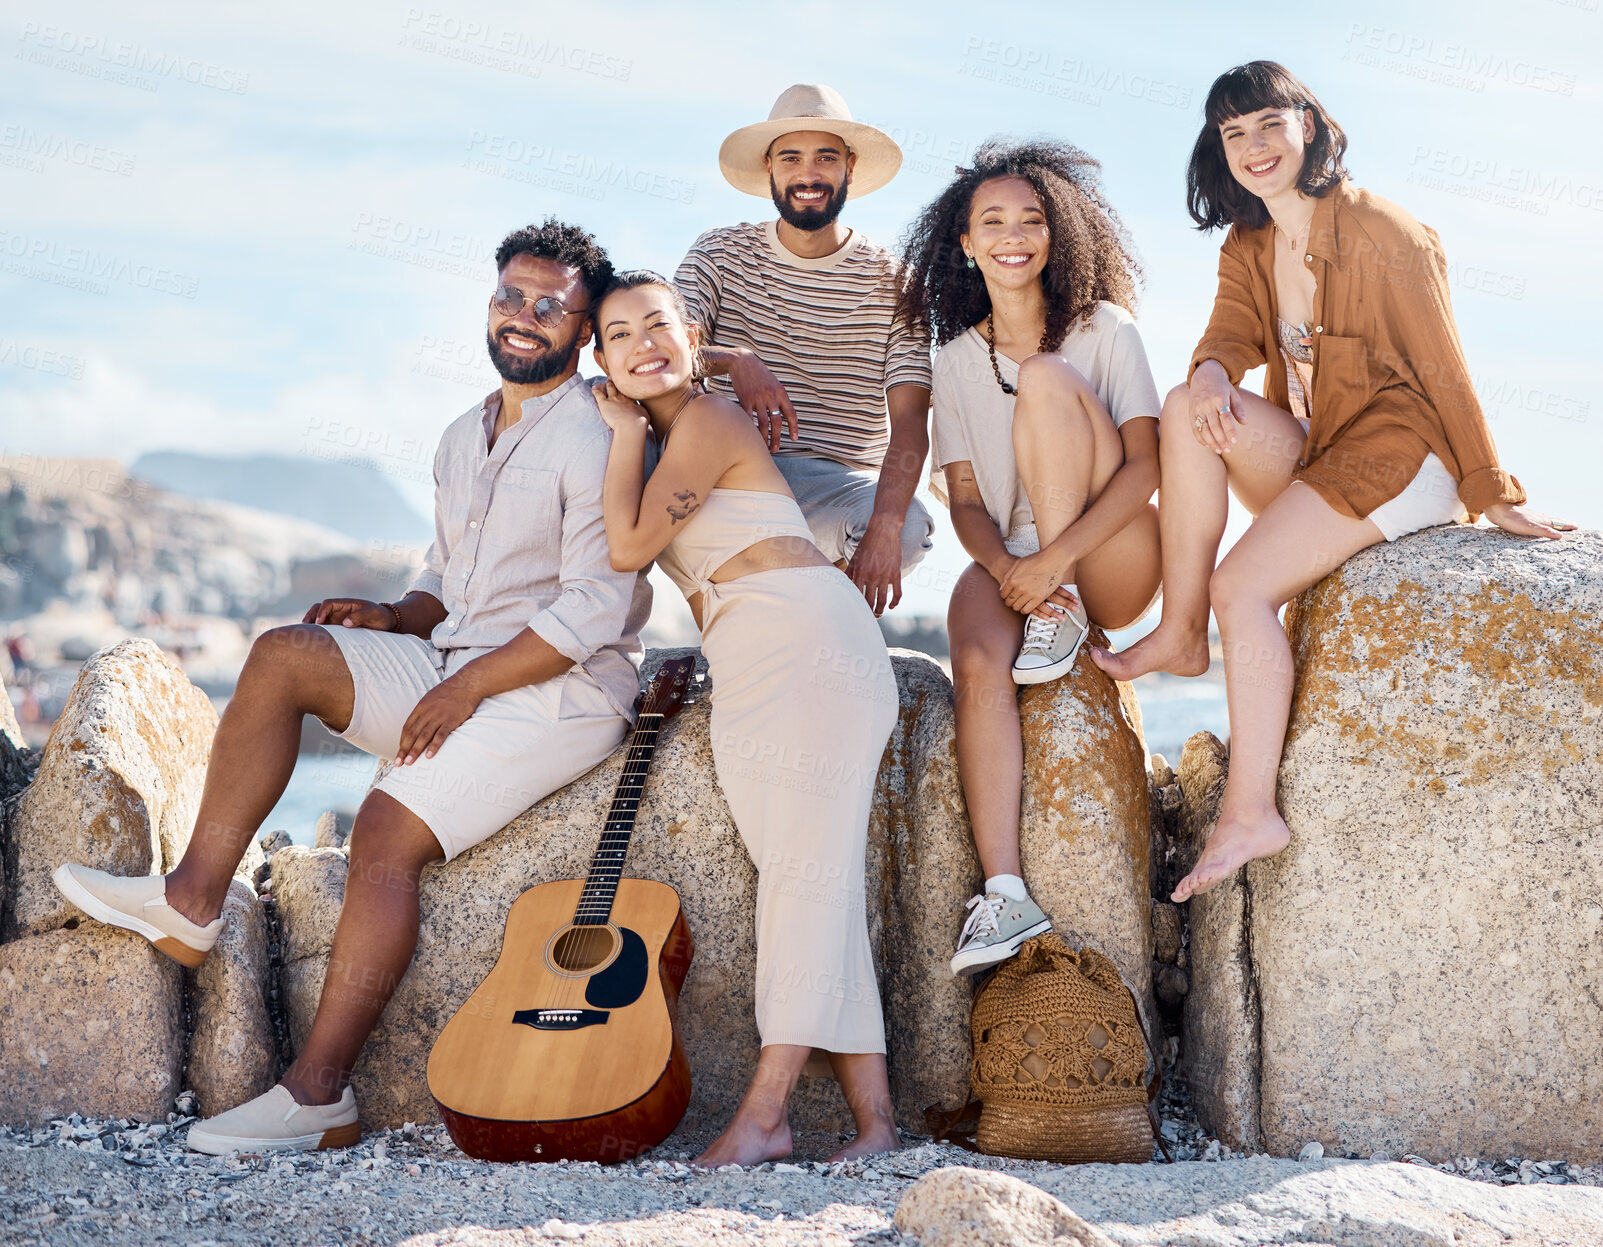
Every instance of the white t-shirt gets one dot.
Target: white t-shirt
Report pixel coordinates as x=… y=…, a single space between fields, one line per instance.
x=974 y=419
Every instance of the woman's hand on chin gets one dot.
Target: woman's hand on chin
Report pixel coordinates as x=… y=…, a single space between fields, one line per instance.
x=1523 y=522
x=619 y=412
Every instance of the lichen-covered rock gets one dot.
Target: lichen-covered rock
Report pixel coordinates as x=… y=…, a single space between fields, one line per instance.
x=962 y=1207
x=232 y=1053
x=1220 y=1027
x=1422 y=948
x=91 y=1022
x=1085 y=831
x=119 y=781
x=921 y=868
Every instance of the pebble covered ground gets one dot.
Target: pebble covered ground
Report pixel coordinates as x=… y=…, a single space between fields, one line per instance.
x=79 y=1181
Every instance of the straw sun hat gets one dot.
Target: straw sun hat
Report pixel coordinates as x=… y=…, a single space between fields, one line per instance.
x=809 y=106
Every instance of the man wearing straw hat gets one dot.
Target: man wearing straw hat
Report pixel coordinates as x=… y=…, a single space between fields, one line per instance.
x=798 y=322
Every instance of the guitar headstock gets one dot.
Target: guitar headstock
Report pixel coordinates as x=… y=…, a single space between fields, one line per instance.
x=666 y=693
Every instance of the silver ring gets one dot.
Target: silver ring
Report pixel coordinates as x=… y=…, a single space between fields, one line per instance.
x=1225 y=410
x=773 y=411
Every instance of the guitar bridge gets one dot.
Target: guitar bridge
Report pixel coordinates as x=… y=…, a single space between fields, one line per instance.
x=561 y=1019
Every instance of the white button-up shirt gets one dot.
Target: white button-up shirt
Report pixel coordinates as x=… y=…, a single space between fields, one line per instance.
x=519 y=541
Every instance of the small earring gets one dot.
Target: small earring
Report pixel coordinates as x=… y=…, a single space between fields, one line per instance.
x=971 y=261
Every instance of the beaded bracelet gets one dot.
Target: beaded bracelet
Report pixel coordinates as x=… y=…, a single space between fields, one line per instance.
x=400 y=624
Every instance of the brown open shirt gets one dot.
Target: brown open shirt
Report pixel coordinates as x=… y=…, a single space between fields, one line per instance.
x=1390 y=380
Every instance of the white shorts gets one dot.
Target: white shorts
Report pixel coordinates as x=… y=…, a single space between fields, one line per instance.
x=516 y=748
x=1431 y=498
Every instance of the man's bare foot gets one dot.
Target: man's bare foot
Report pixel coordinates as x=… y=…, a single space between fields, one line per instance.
x=1163 y=649
x=886 y=1139
x=1234 y=843
x=746 y=1141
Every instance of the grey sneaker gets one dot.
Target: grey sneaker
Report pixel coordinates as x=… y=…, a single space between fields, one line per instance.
x=275 y=1122
x=996 y=928
x=137 y=903
x=1050 y=646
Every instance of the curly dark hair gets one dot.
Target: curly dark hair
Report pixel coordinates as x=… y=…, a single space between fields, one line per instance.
x=1090 y=257
x=566 y=244
x=1213 y=196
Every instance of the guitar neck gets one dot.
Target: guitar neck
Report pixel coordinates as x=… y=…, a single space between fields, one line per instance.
x=601 y=885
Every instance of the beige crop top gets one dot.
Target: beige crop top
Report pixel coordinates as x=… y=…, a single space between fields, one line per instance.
x=724 y=525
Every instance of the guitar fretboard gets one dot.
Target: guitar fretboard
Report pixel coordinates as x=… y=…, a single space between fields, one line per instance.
x=601 y=885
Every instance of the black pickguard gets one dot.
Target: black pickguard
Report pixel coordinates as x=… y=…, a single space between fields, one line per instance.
x=621 y=983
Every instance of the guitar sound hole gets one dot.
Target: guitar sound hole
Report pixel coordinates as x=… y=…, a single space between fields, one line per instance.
x=581 y=949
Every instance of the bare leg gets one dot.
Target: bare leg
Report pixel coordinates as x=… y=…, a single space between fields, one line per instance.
x=1067 y=449
x=291 y=672
x=1293 y=544
x=373 y=944
x=985 y=635
x=1193 y=504
x=866 y=1084
x=760 y=1129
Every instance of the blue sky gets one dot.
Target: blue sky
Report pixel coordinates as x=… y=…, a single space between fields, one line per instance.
x=269 y=229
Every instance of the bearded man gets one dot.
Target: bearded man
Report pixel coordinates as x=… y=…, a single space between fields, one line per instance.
x=798 y=323
x=510 y=667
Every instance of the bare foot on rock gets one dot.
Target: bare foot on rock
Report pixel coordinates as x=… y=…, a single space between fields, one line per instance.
x=1234 y=843
x=746 y=1141
x=871 y=1144
x=1163 y=649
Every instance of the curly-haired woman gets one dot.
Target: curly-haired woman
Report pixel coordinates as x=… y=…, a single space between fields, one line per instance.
x=1045 y=443
x=1368 y=428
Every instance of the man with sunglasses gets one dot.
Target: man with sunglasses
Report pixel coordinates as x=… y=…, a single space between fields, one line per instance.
x=509 y=669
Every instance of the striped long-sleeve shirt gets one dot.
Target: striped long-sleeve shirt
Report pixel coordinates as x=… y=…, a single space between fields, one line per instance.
x=826 y=328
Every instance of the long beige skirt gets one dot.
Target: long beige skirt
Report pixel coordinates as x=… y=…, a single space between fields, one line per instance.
x=803 y=703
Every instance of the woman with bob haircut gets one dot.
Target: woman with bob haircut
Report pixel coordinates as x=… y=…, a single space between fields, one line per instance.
x=803 y=702
x=1368 y=427
x=1045 y=449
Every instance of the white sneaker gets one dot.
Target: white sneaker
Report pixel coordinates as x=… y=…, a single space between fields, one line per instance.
x=137 y=903
x=997 y=927
x=1050 y=646
x=275 y=1122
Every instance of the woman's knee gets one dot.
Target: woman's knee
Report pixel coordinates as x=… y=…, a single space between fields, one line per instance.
x=1177 y=406
x=1052 y=377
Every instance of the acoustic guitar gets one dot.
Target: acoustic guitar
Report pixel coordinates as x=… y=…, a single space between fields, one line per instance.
x=569 y=1049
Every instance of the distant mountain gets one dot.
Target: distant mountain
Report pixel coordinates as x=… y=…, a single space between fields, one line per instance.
x=350 y=497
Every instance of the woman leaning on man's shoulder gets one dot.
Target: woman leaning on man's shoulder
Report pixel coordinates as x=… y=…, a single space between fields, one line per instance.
x=1368 y=427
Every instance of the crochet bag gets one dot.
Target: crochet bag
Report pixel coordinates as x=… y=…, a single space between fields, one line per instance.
x=1059 y=1070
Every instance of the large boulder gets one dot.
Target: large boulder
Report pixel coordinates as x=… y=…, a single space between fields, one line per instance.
x=118 y=784
x=232 y=1053
x=1422 y=951
x=92 y=1022
x=1085 y=831
x=921 y=867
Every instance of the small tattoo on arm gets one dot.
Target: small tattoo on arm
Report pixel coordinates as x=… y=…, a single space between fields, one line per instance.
x=685 y=507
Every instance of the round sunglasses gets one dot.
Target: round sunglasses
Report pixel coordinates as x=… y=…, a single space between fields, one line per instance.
x=548 y=310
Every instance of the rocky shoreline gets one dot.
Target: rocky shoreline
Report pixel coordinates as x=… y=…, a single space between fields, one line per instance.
x=120 y=1181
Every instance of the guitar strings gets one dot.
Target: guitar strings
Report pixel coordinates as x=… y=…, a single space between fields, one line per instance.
x=590 y=946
